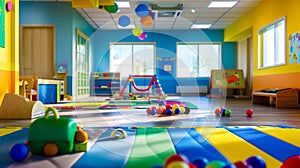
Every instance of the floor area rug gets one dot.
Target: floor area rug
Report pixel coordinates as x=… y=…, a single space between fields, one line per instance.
x=151 y=146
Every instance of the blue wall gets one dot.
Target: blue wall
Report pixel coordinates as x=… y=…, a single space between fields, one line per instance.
x=165 y=48
x=66 y=20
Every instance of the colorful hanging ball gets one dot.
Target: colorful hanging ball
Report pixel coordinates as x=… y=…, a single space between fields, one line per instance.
x=147 y=21
x=124 y=21
x=143 y=36
x=141 y=10
x=137 y=31
x=111 y=8
x=152 y=14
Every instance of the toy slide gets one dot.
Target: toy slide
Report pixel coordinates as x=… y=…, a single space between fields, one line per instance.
x=15 y=106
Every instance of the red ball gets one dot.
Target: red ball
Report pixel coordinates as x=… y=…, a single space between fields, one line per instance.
x=175 y=157
x=218 y=111
x=292 y=161
x=240 y=164
x=168 y=106
x=249 y=112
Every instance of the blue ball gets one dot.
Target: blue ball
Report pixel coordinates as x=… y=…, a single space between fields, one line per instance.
x=162 y=103
x=200 y=162
x=177 y=111
x=124 y=21
x=153 y=111
x=169 y=111
x=256 y=161
x=142 y=10
x=19 y=152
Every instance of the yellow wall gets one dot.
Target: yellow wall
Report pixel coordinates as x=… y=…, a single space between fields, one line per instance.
x=9 y=55
x=265 y=13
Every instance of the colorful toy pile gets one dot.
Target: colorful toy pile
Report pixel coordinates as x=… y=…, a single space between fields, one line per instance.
x=222 y=111
x=50 y=136
x=167 y=109
x=180 y=161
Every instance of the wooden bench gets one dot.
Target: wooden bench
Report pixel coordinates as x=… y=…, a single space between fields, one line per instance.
x=281 y=97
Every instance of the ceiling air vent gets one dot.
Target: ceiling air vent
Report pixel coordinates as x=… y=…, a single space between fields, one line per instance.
x=167 y=10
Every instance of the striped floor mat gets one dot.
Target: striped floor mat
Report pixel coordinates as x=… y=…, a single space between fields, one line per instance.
x=148 y=146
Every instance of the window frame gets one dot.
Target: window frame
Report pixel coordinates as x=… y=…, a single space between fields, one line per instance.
x=198 y=43
x=132 y=44
x=260 y=55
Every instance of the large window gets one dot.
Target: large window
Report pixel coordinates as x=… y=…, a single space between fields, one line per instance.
x=132 y=58
x=271 y=44
x=197 y=59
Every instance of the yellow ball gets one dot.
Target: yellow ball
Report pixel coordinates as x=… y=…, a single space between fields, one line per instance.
x=178 y=164
x=137 y=31
x=182 y=109
x=175 y=106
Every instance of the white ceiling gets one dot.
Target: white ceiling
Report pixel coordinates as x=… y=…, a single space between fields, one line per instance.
x=220 y=18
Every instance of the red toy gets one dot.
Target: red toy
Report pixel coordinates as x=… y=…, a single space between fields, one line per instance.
x=292 y=161
x=249 y=112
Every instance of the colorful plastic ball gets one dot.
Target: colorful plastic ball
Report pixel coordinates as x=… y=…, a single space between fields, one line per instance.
x=153 y=111
x=50 y=149
x=148 y=110
x=292 y=161
x=163 y=108
x=228 y=113
x=187 y=110
x=169 y=112
x=177 y=111
x=200 y=162
x=137 y=31
x=240 y=164
x=162 y=103
x=256 y=161
x=182 y=109
x=178 y=164
x=111 y=8
x=175 y=106
x=124 y=21
x=146 y=21
x=215 y=164
x=143 y=36
x=159 y=110
x=168 y=106
x=223 y=109
x=141 y=10
x=19 y=152
x=218 y=111
x=249 y=112
x=175 y=157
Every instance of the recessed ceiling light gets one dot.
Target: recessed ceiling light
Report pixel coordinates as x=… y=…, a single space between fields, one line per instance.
x=222 y=4
x=193 y=10
x=122 y=4
x=200 y=26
